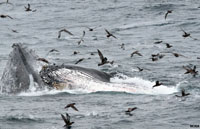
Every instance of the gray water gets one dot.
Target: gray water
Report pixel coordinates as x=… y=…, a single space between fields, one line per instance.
x=137 y=24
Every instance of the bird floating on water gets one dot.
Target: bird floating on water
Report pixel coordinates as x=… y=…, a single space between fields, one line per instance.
x=29 y=8
x=157 y=84
x=183 y=94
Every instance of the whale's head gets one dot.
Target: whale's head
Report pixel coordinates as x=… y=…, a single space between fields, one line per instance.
x=21 y=71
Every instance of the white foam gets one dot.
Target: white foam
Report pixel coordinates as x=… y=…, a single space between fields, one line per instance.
x=134 y=85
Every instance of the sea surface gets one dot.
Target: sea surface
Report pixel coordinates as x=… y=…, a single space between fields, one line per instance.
x=138 y=24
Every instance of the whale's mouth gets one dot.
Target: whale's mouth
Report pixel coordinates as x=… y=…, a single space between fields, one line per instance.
x=22 y=64
x=25 y=74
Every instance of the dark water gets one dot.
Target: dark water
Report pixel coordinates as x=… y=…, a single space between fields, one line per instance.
x=137 y=24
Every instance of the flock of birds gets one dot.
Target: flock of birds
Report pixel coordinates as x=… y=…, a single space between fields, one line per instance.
x=104 y=60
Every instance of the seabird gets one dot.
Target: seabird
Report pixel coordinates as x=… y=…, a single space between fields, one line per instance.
x=169 y=11
x=75 y=52
x=158 y=42
x=43 y=59
x=168 y=45
x=123 y=46
x=177 y=55
x=128 y=112
x=136 y=52
x=72 y=105
x=140 y=69
x=109 y=34
x=157 y=84
x=15 y=31
x=130 y=109
x=63 y=30
x=67 y=121
x=187 y=35
x=190 y=70
x=154 y=59
x=53 y=50
x=183 y=93
x=103 y=59
x=81 y=40
x=5 y=16
x=79 y=60
x=29 y=8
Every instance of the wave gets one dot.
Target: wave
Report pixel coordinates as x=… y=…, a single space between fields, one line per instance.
x=23 y=118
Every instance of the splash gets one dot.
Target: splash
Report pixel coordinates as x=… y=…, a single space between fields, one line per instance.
x=133 y=85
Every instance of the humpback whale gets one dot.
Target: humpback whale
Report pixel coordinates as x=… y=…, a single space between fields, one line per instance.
x=24 y=68
x=25 y=73
x=21 y=68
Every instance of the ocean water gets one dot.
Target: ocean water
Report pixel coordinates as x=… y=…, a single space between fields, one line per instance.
x=136 y=23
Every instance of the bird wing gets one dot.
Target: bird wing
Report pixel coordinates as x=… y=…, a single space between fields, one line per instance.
x=100 y=55
x=64 y=119
x=9 y=17
x=107 y=31
x=67 y=32
x=186 y=68
x=74 y=108
x=138 y=53
x=166 y=15
x=59 y=33
x=113 y=36
x=83 y=34
x=79 y=60
x=184 y=31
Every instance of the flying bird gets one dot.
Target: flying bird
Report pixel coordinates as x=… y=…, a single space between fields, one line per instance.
x=190 y=70
x=67 y=121
x=92 y=29
x=5 y=16
x=169 y=11
x=72 y=105
x=140 y=69
x=53 y=50
x=122 y=46
x=43 y=59
x=185 y=35
x=103 y=59
x=136 y=52
x=109 y=34
x=63 y=30
x=79 y=60
x=130 y=109
x=81 y=40
x=128 y=112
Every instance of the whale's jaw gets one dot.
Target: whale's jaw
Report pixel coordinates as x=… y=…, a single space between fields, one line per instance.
x=21 y=69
